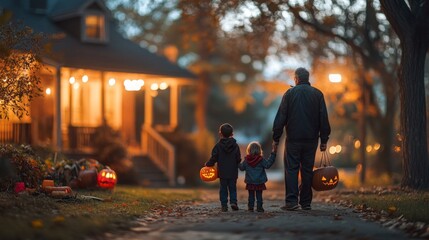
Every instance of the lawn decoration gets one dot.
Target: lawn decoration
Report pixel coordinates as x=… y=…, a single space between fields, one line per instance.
x=47 y=183
x=19 y=187
x=58 y=192
x=326 y=177
x=107 y=178
x=208 y=174
x=87 y=178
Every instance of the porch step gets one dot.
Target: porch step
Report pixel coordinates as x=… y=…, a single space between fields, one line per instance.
x=148 y=174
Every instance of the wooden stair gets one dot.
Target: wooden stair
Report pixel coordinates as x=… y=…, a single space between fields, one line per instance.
x=148 y=174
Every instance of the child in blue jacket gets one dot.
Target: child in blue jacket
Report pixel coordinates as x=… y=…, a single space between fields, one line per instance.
x=254 y=164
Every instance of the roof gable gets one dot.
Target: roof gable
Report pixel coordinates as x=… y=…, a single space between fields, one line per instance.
x=69 y=9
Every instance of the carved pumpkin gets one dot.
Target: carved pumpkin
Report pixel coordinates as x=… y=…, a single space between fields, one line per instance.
x=106 y=178
x=325 y=178
x=208 y=174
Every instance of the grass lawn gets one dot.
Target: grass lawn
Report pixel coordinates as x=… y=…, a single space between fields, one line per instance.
x=414 y=206
x=42 y=217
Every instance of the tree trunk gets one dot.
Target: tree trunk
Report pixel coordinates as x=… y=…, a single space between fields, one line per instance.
x=413 y=114
x=410 y=20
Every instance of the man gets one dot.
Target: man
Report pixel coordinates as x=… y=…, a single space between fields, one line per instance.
x=303 y=113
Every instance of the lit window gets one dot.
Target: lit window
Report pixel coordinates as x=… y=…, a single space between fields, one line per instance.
x=95 y=27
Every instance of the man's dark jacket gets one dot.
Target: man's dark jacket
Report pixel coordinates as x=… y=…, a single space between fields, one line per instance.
x=226 y=154
x=303 y=113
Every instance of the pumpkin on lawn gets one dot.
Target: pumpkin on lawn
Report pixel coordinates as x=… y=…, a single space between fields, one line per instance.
x=107 y=178
x=326 y=177
x=208 y=174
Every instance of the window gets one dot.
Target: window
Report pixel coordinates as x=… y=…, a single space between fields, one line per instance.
x=95 y=28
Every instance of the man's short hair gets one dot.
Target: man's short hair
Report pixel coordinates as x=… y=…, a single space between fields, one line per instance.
x=226 y=130
x=302 y=74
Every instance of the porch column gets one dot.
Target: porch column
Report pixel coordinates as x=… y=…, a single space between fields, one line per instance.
x=174 y=105
x=103 y=100
x=57 y=116
x=148 y=107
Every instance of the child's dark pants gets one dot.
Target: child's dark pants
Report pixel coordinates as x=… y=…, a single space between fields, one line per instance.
x=251 y=201
x=228 y=185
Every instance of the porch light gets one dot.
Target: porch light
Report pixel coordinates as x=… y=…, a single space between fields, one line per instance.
x=85 y=78
x=368 y=148
x=48 y=91
x=154 y=86
x=163 y=86
x=72 y=80
x=377 y=146
x=133 y=85
x=76 y=86
x=112 y=82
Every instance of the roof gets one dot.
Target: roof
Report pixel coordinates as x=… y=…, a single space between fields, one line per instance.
x=117 y=55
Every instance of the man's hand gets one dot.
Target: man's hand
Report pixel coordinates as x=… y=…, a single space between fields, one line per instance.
x=275 y=145
x=323 y=147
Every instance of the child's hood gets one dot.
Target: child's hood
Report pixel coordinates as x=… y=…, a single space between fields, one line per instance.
x=227 y=144
x=253 y=160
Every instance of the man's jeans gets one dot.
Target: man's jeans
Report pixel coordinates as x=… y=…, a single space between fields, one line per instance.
x=251 y=202
x=299 y=156
x=228 y=185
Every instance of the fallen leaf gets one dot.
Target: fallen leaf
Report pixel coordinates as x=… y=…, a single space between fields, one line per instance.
x=37 y=223
x=391 y=210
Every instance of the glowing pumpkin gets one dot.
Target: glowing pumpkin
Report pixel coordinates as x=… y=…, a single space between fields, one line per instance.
x=106 y=178
x=208 y=174
x=325 y=178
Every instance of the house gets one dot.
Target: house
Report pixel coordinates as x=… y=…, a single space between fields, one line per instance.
x=95 y=76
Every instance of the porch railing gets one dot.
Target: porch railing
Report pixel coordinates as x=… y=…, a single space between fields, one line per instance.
x=160 y=151
x=81 y=137
x=12 y=132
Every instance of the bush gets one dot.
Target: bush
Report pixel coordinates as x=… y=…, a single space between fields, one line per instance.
x=111 y=151
x=20 y=164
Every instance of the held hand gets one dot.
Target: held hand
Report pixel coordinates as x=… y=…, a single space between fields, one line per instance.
x=275 y=145
x=323 y=147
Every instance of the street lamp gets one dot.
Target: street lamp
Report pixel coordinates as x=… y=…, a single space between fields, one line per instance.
x=335 y=77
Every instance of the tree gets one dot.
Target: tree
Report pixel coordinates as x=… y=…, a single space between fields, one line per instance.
x=20 y=51
x=223 y=60
x=410 y=20
x=339 y=30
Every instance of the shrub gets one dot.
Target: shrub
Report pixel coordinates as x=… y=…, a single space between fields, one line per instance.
x=22 y=164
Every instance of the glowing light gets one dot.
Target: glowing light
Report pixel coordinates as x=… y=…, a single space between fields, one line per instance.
x=357 y=144
x=72 y=80
x=377 y=146
x=397 y=149
x=332 y=150
x=359 y=168
x=112 y=82
x=163 y=86
x=133 y=85
x=85 y=78
x=368 y=148
x=335 y=77
x=338 y=148
x=48 y=91
x=154 y=86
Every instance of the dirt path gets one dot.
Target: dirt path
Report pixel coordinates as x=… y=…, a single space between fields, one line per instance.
x=203 y=220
